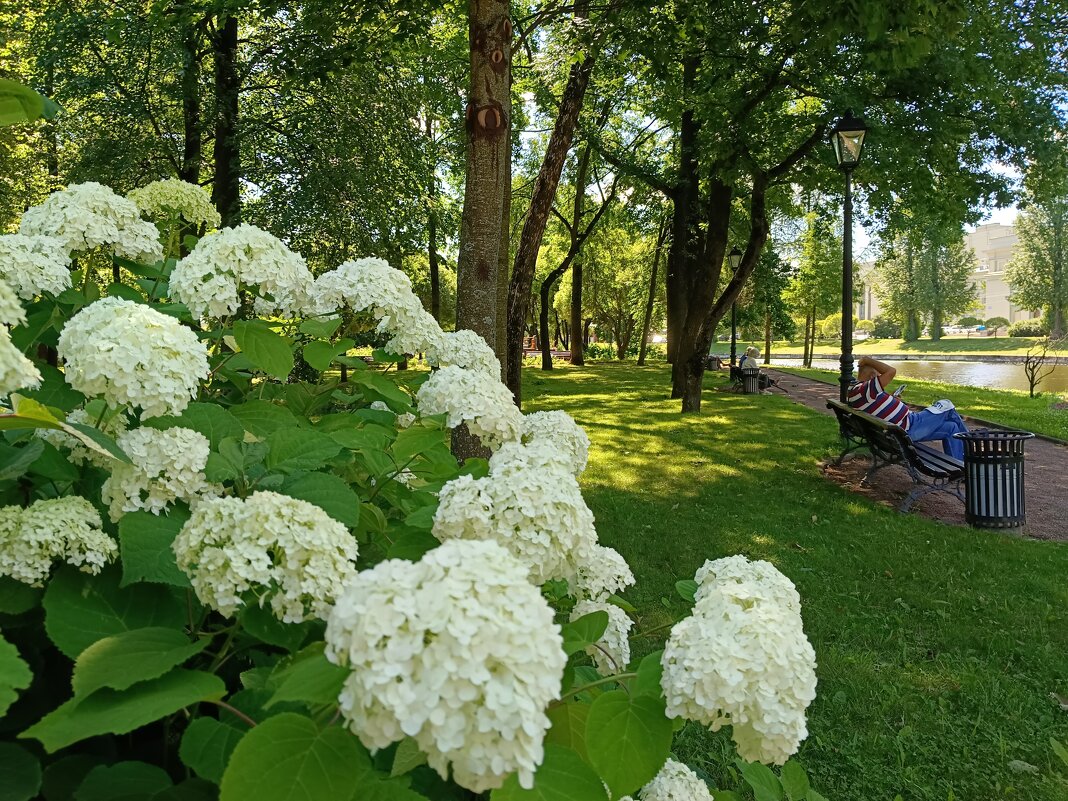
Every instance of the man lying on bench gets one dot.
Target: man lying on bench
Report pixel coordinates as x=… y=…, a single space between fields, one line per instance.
x=939 y=421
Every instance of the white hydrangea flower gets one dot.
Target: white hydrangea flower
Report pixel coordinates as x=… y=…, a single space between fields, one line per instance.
x=675 y=782
x=373 y=286
x=405 y=420
x=172 y=197
x=112 y=424
x=16 y=371
x=208 y=279
x=742 y=659
x=288 y=552
x=473 y=397
x=741 y=579
x=465 y=349
x=539 y=516
x=90 y=215
x=34 y=264
x=560 y=429
x=613 y=654
x=458 y=651
x=604 y=572
x=11 y=311
x=130 y=354
x=65 y=528
x=167 y=466
x=541 y=455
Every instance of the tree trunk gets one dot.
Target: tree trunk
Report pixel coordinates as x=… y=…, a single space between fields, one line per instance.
x=488 y=122
x=504 y=260
x=541 y=201
x=651 y=298
x=578 y=346
x=192 y=141
x=432 y=229
x=767 y=336
x=226 y=188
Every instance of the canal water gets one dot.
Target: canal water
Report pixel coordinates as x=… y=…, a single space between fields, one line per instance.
x=996 y=375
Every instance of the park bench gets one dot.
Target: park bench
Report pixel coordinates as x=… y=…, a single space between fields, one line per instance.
x=931 y=470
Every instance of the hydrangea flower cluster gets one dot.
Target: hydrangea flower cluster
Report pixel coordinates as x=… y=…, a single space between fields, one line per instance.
x=166 y=466
x=34 y=264
x=674 y=782
x=465 y=349
x=458 y=651
x=541 y=455
x=113 y=424
x=90 y=215
x=11 y=311
x=611 y=654
x=162 y=200
x=603 y=573
x=224 y=261
x=65 y=528
x=537 y=515
x=16 y=371
x=742 y=659
x=130 y=354
x=373 y=286
x=286 y=551
x=473 y=397
x=560 y=429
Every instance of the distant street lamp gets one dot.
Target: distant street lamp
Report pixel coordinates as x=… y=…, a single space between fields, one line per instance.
x=847 y=136
x=734 y=259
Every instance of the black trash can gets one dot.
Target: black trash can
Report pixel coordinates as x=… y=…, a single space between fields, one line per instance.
x=994 y=477
x=751 y=380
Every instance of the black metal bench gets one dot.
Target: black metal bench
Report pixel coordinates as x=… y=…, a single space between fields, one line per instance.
x=930 y=469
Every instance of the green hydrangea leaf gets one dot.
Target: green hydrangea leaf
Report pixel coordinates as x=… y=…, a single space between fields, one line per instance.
x=120 y=711
x=563 y=776
x=329 y=492
x=310 y=678
x=628 y=739
x=299 y=449
x=145 y=544
x=123 y=781
x=125 y=659
x=20 y=773
x=207 y=745
x=584 y=632
x=209 y=419
x=267 y=350
x=81 y=609
x=15 y=675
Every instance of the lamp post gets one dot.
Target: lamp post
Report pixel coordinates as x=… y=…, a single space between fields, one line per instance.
x=734 y=259
x=847 y=137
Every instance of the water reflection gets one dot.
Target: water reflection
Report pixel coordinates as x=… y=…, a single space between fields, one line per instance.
x=996 y=375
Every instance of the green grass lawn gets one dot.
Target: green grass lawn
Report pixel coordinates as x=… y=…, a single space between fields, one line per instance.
x=973 y=346
x=1003 y=406
x=938 y=647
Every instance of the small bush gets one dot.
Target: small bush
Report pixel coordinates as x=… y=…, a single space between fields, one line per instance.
x=865 y=327
x=885 y=328
x=970 y=322
x=1028 y=328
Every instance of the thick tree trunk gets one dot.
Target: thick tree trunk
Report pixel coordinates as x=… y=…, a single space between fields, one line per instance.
x=651 y=298
x=578 y=346
x=432 y=229
x=226 y=188
x=192 y=141
x=504 y=263
x=488 y=122
x=541 y=201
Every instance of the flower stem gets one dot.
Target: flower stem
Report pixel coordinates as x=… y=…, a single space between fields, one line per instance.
x=576 y=690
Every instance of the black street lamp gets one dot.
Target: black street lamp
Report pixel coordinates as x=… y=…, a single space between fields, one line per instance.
x=734 y=259
x=847 y=136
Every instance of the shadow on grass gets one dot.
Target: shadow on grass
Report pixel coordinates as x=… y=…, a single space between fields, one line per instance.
x=938 y=646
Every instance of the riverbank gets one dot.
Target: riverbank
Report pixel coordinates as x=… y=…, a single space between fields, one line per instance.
x=1004 y=407
x=927 y=349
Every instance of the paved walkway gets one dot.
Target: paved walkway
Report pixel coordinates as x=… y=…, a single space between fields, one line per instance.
x=1046 y=470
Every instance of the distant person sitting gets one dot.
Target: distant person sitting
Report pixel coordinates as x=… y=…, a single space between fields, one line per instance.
x=751 y=361
x=939 y=421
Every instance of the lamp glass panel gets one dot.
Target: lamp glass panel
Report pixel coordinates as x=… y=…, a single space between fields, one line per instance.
x=847 y=147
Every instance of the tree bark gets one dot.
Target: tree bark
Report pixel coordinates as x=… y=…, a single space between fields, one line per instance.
x=544 y=192
x=767 y=336
x=432 y=228
x=192 y=140
x=488 y=122
x=226 y=188
x=578 y=346
x=651 y=299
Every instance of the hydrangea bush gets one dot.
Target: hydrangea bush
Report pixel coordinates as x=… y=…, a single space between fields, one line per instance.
x=237 y=562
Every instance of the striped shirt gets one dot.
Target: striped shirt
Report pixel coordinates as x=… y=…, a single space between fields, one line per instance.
x=869 y=396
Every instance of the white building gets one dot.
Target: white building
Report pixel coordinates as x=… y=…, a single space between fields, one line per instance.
x=993 y=245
